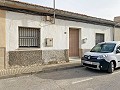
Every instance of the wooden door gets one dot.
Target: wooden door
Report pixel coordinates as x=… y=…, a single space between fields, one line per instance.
x=73 y=42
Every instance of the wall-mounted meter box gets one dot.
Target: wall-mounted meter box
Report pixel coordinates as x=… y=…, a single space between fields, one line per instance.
x=48 y=18
x=49 y=42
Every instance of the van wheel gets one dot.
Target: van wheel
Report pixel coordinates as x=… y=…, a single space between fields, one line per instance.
x=111 y=67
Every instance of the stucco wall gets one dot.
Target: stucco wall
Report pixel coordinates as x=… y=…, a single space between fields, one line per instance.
x=58 y=31
x=87 y=31
x=48 y=30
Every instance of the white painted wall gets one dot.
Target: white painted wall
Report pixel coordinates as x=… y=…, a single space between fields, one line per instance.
x=48 y=30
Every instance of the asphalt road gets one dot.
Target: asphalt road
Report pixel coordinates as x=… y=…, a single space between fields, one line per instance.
x=69 y=79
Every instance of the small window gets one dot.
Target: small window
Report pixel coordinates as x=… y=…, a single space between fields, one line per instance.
x=29 y=37
x=99 y=38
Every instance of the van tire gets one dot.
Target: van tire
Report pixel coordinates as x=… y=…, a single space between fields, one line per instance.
x=111 y=67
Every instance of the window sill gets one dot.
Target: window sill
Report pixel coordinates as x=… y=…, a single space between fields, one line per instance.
x=27 y=49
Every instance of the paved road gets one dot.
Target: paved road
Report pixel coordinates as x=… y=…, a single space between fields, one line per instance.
x=70 y=79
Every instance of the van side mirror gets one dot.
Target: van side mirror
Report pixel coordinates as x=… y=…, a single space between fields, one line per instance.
x=118 y=51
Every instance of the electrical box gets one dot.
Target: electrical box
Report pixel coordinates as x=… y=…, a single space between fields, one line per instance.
x=48 y=18
x=49 y=42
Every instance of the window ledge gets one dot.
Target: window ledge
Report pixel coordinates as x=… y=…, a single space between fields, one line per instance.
x=27 y=49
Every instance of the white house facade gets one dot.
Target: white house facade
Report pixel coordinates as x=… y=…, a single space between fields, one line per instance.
x=29 y=36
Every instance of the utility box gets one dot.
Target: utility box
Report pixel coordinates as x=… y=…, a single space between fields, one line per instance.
x=49 y=42
x=48 y=18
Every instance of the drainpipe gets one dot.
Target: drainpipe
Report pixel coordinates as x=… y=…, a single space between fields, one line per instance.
x=113 y=32
x=54 y=12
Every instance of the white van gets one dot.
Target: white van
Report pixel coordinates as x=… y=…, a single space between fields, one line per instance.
x=103 y=56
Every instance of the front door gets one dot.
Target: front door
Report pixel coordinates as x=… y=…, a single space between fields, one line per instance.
x=73 y=42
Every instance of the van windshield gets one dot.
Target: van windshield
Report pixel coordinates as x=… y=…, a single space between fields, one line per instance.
x=104 y=48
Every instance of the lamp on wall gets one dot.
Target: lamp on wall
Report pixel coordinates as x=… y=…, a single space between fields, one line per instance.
x=84 y=40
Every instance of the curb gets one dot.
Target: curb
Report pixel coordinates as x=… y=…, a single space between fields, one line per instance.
x=61 y=67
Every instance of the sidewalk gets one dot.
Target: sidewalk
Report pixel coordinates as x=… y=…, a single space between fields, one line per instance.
x=38 y=68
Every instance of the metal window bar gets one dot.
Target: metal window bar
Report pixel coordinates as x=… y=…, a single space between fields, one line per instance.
x=29 y=37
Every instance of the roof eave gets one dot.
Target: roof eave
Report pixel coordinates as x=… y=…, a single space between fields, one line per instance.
x=10 y=4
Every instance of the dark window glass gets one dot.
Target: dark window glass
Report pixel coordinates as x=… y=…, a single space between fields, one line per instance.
x=103 y=48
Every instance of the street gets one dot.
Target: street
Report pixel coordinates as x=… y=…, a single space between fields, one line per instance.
x=79 y=78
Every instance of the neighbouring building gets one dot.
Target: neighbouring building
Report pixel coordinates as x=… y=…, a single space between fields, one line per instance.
x=29 y=36
x=116 y=28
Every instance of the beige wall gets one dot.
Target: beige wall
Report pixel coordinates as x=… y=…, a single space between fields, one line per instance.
x=2 y=37
x=117 y=34
x=2 y=28
x=117 y=30
x=117 y=19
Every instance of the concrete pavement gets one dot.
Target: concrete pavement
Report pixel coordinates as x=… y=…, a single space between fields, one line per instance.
x=78 y=78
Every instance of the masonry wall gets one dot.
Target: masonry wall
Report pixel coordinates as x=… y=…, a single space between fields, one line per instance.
x=59 y=32
x=25 y=58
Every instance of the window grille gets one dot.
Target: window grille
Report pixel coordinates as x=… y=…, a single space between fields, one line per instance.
x=29 y=37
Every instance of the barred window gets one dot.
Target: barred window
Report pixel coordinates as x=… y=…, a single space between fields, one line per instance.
x=29 y=37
